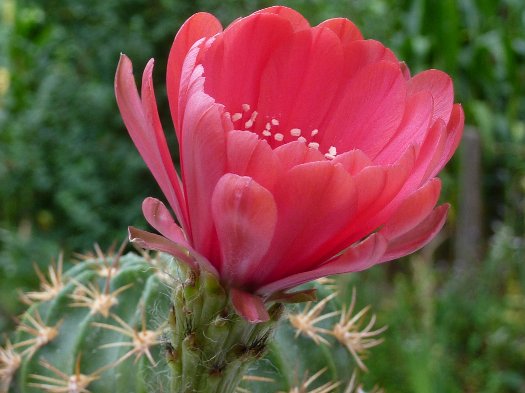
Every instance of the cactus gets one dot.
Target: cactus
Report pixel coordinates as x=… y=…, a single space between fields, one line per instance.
x=318 y=349
x=141 y=323
x=88 y=321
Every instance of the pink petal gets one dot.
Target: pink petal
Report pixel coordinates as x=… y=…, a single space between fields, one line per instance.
x=343 y=28
x=439 y=84
x=151 y=241
x=235 y=61
x=354 y=161
x=428 y=157
x=296 y=153
x=198 y=26
x=191 y=80
x=413 y=210
x=297 y=21
x=250 y=307
x=188 y=255
x=369 y=112
x=358 y=54
x=315 y=201
x=245 y=216
x=299 y=82
x=141 y=120
x=417 y=237
x=376 y=188
x=249 y=156
x=454 y=132
x=412 y=130
x=358 y=257
x=438 y=151
x=405 y=70
x=160 y=218
x=203 y=160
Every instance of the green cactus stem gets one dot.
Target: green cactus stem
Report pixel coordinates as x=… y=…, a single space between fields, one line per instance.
x=211 y=346
x=91 y=329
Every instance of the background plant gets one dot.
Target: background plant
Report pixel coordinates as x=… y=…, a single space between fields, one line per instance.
x=69 y=175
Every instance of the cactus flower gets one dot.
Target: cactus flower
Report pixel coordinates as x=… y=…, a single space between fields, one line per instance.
x=304 y=151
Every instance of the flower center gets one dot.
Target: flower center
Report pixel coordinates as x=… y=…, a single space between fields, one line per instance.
x=270 y=129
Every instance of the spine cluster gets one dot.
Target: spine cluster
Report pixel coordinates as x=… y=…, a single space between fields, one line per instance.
x=133 y=323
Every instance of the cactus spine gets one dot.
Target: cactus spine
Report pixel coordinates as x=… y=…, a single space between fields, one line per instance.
x=138 y=323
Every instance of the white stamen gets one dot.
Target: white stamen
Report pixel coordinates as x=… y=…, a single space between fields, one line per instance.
x=236 y=116
x=279 y=137
x=268 y=126
x=267 y=133
x=250 y=122
x=275 y=122
x=332 y=152
x=313 y=145
x=245 y=107
x=315 y=132
x=302 y=139
x=295 y=132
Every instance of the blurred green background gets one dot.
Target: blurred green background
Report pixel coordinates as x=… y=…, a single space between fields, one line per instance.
x=69 y=175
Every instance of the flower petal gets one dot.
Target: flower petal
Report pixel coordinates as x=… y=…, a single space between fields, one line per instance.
x=417 y=237
x=428 y=157
x=358 y=54
x=152 y=241
x=358 y=257
x=158 y=216
x=296 y=153
x=412 y=130
x=250 y=156
x=234 y=62
x=200 y=25
x=412 y=210
x=245 y=216
x=297 y=21
x=250 y=307
x=354 y=161
x=343 y=28
x=454 y=132
x=299 y=82
x=203 y=162
x=376 y=187
x=439 y=84
x=143 y=124
x=369 y=111
x=315 y=201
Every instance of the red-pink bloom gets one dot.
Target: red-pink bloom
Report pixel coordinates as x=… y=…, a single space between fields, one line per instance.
x=305 y=151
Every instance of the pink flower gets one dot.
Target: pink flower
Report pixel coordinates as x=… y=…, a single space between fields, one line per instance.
x=305 y=151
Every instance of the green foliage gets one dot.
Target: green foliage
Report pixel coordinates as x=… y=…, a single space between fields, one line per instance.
x=68 y=170
x=460 y=333
x=69 y=174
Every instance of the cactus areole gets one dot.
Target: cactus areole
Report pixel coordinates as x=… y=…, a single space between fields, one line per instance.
x=304 y=152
